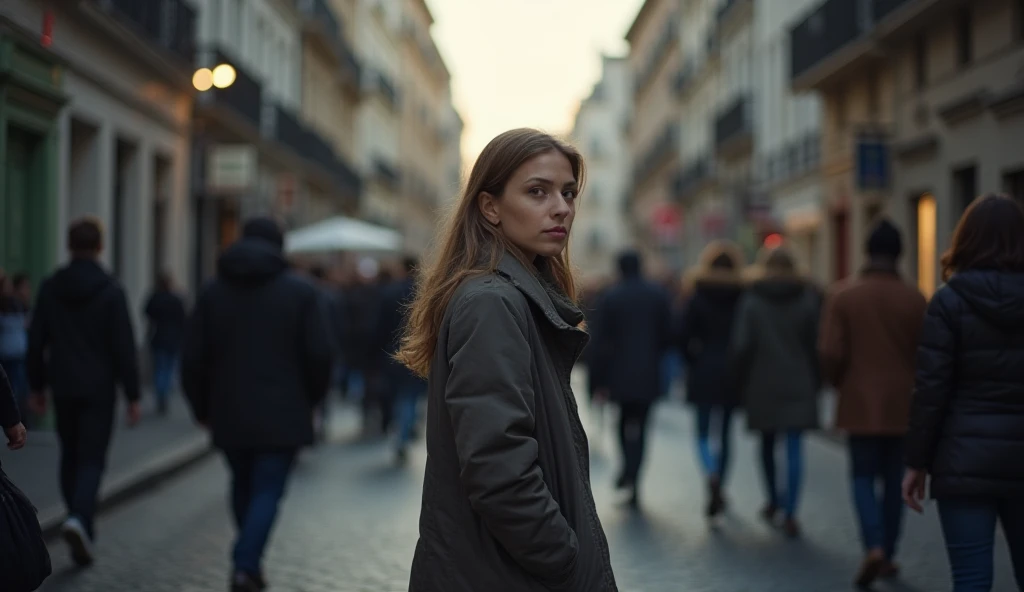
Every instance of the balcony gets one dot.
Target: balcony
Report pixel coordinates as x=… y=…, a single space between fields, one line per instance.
x=792 y=160
x=840 y=35
x=386 y=173
x=377 y=82
x=169 y=25
x=683 y=81
x=690 y=179
x=659 y=152
x=245 y=96
x=669 y=35
x=731 y=9
x=320 y=21
x=734 y=128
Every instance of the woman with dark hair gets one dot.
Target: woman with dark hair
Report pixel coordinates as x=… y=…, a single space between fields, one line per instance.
x=704 y=337
x=967 y=417
x=495 y=329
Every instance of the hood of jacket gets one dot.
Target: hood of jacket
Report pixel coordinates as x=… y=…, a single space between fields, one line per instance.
x=80 y=281
x=251 y=262
x=997 y=296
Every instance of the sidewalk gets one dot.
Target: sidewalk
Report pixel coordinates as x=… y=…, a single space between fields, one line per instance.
x=138 y=457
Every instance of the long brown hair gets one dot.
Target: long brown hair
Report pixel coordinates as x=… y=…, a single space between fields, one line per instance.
x=470 y=245
x=990 y=235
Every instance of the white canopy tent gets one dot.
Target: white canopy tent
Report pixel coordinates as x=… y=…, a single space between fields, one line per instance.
x=342 y=234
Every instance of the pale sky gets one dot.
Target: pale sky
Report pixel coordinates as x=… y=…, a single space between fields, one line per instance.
x=525 y=63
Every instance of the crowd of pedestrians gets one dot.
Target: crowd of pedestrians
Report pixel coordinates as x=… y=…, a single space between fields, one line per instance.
x=489 y=334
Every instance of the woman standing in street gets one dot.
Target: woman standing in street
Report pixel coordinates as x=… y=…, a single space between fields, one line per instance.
x=704 y=337
x=507 y=503
x=967 y=417
x=775 y=346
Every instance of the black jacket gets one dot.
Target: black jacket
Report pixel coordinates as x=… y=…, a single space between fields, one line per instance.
x=166 y=313
x=391 y=318
x=9 y=415
x=632 y=333
x=704 y=335
x=507 y=503
x=967 y=418
x=81 y=343
x=257 y=354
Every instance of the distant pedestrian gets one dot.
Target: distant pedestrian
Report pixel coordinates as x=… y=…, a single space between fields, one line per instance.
x=165 y=311
x=634 y=331
x=507 y=503
x=14 y=324
x=10 y=418
x=776 y=361
x=868 y=339
x=704 y=337
x=967 y=416
x=256 y=363
x=403 y=387
x=81 y=346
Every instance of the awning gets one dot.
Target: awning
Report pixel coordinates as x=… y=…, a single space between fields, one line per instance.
x=342 y=234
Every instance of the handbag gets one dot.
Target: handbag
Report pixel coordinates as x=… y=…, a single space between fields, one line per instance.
x=24 y=559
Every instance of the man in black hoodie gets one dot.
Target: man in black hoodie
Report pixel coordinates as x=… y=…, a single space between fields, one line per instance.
x=256 y=363
x=81 y=345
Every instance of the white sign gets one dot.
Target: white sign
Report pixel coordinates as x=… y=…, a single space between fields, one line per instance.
x=231 y=168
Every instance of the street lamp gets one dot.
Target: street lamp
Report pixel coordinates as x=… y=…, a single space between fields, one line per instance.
x=221 y=76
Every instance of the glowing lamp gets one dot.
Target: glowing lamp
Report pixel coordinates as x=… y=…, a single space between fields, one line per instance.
x=202 y=80
x=773 y=240
x=224 y=76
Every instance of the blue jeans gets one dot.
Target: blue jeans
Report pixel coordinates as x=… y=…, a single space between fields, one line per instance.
x=969 y=527
x=794 y=470
x=406 y=405
x=257 y=487
x=714 y=465
x=164 y=365
x=874 y=459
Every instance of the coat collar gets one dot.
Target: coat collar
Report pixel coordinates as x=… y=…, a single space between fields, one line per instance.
x=539 y=289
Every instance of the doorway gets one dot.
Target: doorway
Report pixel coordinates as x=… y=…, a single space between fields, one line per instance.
x=22 y=189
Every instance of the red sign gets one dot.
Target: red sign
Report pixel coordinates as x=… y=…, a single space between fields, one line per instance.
x=47 y=38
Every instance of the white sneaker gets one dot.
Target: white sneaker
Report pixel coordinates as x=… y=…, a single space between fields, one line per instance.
x=78 y=540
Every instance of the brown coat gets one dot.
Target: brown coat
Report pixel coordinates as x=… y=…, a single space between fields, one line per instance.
x=869 y=334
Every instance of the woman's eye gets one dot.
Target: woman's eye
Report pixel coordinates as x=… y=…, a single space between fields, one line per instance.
x=570 y=194
x=537 y=191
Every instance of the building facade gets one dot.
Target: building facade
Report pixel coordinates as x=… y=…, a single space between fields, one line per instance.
x=922 y=112
x=601 y=229
x=95 y=121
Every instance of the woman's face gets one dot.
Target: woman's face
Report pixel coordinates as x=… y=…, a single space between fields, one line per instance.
x=535 y=212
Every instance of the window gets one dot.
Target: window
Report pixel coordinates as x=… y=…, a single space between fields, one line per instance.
x=965 y=184
x=925 y=219
x=1013 y=184
x=964 y=37
x=920 y=62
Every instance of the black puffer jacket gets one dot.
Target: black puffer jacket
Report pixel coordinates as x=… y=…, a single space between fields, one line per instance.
x=967 y=420
x=257 y=355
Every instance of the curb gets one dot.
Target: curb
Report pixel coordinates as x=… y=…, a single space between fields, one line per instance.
x=121 y=487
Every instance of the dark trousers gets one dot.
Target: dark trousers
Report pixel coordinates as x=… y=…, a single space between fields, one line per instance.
x=633 y=418
x=878 y=461
x=84 y=428
x=794 y=470
x=165 y=364
x=969 y=527
x=714 y=463
x=258 y=482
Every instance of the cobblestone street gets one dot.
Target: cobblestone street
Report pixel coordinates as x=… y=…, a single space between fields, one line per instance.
x=350 y=524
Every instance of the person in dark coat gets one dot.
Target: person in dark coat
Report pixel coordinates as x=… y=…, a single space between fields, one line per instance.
x=869 y=334
x=10 y=417
x=507 y=503
x=967 y=416
x=256 y=362
x=634 y=323
x=704 y=338
x=165 y=311
x=14 y=324
x=82 y=346
x=774 y=344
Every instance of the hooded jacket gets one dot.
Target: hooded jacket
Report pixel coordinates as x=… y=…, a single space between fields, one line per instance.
x=81 y=342
x=507 y=503
x=257 y=355
x=967 y=416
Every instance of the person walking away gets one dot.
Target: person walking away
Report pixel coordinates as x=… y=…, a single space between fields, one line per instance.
x=403 y=386
x=869 y=333
x=495 y=328
x=10 y=416
x=634 y=331
x=704 y=338
x=967 y=415
x=14 y=323
x=776 y=361
x=256 y=362
x=81 y=345
x=165 y=311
